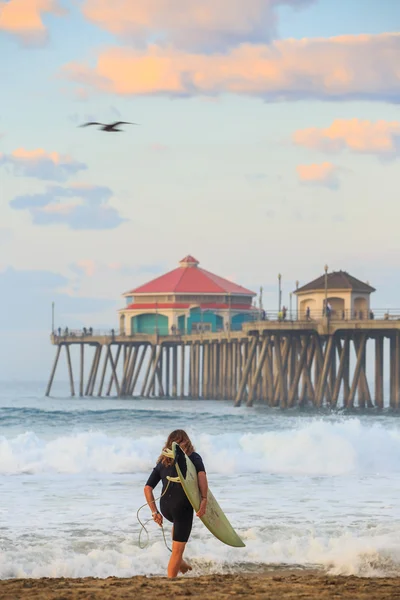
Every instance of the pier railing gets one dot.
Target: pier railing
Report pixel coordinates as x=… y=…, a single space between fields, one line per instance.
x=304 y=316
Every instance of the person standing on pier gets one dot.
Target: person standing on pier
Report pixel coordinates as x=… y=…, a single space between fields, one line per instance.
x=174 y=504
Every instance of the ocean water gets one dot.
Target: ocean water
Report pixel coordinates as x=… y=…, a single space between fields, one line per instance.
x=301 y=489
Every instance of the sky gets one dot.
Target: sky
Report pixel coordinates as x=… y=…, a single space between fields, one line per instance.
x=267 y=140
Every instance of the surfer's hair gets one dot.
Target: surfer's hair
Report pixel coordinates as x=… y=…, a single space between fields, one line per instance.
x=180 y=437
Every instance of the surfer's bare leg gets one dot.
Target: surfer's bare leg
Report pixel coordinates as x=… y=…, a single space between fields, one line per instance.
x=175 y=562
x=184 y=567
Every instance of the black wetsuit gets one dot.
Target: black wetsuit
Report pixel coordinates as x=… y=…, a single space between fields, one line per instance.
x=175 y=505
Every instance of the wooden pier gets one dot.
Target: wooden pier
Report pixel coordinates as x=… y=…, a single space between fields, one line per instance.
x=305 y=363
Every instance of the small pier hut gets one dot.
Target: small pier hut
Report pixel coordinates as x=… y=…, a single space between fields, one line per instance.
x=186 y=300
x=347 y=297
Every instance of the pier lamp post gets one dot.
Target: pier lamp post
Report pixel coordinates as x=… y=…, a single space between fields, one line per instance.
x=326 y=290
x=290 y=305
x=280 y=292
x=297 y=300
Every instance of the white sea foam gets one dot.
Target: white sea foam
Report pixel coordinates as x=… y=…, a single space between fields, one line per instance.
x=343 y=554
x=312 y=448
x=301 y=491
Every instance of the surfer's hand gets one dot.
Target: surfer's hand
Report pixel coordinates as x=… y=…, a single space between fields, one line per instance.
x=202 y=510
x=157 y=517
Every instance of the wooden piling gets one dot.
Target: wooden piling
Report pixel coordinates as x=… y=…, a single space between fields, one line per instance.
x=197 y=370
x=357 y=370
x=205 y=371
x=323 y=382
x=343 y=352
x=154 y=368
x=114 y=376
x=96 y=369
x=82 y=374
x=174 y=371
x=126 y=370
x=292 y=362
x=71 y=377
x=397 y=373
x=148 y=371
x=159 y=373
x=91 y=372
x=379 y=371
x=53 y=371
x=136 y=372
x=103 y=375
x=129 y=369
x=234 y=369
x=333 y=368
x=257 y=374
x=246 y=372
x=114 y=364
x=294 y=383
x=182 y=394
x=167 y=369
x=346 y=372
x=393 y=361
x=215 y=370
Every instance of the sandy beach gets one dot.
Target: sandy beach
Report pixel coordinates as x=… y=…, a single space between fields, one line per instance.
x=285 y=585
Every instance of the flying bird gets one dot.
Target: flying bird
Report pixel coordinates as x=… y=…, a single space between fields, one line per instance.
x=108 y=127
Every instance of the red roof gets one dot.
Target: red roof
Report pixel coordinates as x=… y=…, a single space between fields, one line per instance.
x=188 y=278
x=186 y=305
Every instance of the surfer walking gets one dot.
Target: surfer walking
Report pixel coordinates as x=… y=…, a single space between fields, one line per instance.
x=174 y=504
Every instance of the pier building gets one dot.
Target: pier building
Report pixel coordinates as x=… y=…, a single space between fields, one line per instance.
x=341 y=292
x=186 y=300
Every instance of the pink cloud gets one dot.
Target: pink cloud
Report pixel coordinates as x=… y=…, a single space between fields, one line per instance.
x=23 y=19
x=60 y=209
x=381 y=138
x=190 y=24
x=114 y=266
x=344 y=67
x=87 y=265
x=41 y=164
x=159 y=148
x=324 y=174
x=80 y=207
x=91 y=267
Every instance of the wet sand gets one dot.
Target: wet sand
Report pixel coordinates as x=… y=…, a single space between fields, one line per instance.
x=283 y=586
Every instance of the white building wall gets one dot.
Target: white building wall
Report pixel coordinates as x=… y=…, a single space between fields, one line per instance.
x=316 y=301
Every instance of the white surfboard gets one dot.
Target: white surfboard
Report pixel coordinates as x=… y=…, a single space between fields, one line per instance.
x=214 y=519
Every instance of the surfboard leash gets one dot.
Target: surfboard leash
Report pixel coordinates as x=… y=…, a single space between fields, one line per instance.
x=169 y=454
x=143 y=525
